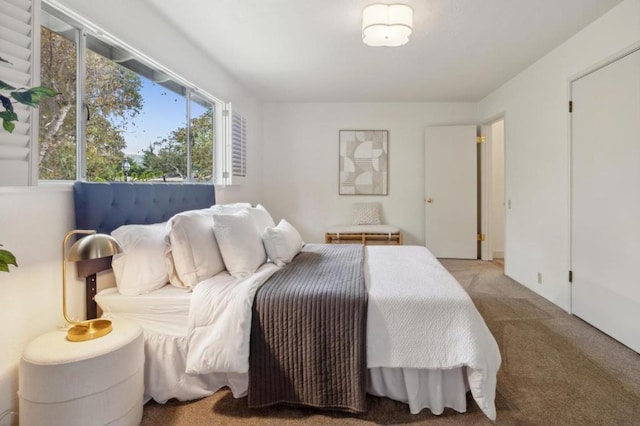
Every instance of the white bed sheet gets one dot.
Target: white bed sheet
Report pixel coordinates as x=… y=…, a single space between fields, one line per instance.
x=163 y=315
x=163 y=311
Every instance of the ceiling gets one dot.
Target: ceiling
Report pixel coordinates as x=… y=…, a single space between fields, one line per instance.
x=311 y=50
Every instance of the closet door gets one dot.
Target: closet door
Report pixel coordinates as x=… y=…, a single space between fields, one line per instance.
x=605 y=204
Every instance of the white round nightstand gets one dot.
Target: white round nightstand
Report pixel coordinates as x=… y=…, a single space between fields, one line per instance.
x=96 y=382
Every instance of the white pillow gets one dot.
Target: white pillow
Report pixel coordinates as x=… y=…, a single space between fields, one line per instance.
x=282 y=242
x=140 y=268
x=193 y=254
x=240 y=243
x=262 y=217
x=230 y=207
x=365 y=214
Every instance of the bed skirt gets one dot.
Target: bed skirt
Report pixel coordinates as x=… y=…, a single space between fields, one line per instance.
x=165 y=378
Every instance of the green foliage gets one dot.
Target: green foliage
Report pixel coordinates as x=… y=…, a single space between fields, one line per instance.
x=113 y=99
x=30 y=97
x=7 y=118
x=113 y=102
x=6 y=258
x=167 y=157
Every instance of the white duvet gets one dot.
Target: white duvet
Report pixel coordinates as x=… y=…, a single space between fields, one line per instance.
x=418 y=317
x=220 y=322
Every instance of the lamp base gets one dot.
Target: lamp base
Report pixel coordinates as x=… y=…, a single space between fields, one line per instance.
x=89 y=330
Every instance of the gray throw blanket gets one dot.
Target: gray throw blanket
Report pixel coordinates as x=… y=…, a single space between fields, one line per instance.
x=308 y=332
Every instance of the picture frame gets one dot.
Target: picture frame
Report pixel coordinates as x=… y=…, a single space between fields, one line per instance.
x=364 y=162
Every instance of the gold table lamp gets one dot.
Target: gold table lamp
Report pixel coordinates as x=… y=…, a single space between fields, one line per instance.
x=94 y=246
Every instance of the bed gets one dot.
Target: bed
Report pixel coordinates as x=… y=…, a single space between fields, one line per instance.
x=196 y=345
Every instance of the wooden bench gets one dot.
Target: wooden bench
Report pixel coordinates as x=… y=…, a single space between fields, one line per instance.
x=364 y=234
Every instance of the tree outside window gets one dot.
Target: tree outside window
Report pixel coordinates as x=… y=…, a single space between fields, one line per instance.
x=132 y=113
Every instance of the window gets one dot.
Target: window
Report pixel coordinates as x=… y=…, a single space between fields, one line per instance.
x=133 y=112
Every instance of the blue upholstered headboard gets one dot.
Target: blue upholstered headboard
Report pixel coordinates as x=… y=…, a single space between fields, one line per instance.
x=106 y=206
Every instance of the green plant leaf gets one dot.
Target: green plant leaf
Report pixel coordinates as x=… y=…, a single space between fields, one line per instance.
x=24 y=98
x=43 y=91
x=8 y=115
x=7 y=258
x=31 y=97
x=6 y=103
x=5 y=86
x=8 y=125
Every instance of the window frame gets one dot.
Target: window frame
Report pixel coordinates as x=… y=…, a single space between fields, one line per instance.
x=83 y=27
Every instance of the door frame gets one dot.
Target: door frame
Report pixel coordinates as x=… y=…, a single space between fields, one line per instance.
x=486 y=183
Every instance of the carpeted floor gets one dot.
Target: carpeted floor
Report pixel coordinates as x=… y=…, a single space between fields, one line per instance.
x=556 y=370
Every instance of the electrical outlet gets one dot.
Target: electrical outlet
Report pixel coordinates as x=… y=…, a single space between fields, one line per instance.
x=539 y=277
x=509 y=204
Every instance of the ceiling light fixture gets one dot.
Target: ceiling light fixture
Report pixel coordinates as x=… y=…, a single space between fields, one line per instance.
x=386 y=24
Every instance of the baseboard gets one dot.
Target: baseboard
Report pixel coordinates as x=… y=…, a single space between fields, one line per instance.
x=498 y=254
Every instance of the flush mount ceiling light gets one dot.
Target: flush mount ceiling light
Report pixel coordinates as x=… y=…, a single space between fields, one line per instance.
x=386 y=24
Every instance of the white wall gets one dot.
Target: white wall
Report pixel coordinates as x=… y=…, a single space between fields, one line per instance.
x=300 y=166
x=537 y=150
x=497 y=189
x=34 y=220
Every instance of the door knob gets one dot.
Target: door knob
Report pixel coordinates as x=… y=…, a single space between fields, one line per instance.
x=429 y=200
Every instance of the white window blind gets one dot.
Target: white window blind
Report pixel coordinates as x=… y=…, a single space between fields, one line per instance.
x=17 y=40
x=238 y=145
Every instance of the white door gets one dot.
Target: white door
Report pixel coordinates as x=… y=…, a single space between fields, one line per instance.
x=451 y=192
x=605 y=204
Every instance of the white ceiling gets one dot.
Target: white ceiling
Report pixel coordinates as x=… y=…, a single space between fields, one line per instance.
x=311 y=50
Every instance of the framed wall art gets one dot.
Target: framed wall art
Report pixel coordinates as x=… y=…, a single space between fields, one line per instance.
x=363 y=162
